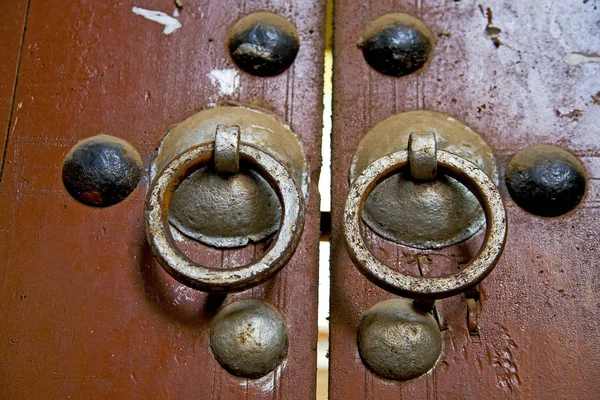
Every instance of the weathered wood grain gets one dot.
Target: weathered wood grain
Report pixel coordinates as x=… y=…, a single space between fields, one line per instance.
x=12 y=30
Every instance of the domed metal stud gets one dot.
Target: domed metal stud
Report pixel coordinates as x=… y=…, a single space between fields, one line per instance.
x=396 y=44
x=101 y=171
x=263 y=44
x=399 y=341
x=249 y=338
x=545 y=180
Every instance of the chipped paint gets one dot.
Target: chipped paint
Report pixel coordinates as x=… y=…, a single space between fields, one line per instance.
x=576 y=59
x=227 y=80
x=170 y=23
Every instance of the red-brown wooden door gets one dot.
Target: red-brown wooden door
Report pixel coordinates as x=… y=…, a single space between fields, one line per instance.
x=537 y=331
x=86 y=312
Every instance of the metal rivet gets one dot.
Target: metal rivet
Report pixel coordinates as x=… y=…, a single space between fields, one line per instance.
x=397 y=340
x=101 y=171
x=396 y=44
x=545 y=180
x=263 y=44
x=249 y=338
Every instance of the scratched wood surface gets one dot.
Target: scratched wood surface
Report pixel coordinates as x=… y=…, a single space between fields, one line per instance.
x=12 y=26
x=85 y=312
x=537 y=334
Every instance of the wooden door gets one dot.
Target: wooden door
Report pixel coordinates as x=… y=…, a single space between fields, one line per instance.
x=86 y=312
x=536 y=333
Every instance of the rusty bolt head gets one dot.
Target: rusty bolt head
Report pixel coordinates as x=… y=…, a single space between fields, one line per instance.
x=397 y=340
x=397 y=44
x=263 y=44
x=249 y=338
x=545 y=180
x=101 y=171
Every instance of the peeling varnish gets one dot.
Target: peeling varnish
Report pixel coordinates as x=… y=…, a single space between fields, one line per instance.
x=227 y=80
x=491 y=31
x=576 y=59
x=170 y=23
x=574 y=114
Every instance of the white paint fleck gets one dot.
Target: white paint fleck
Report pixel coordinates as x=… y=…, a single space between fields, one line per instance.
x=576 y=59
x=227 y=80
x=170 y=23
x=176 y=12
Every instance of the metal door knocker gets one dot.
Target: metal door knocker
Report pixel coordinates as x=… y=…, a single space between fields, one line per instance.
x=229 y=139
x=421 y=147
x=226 y=176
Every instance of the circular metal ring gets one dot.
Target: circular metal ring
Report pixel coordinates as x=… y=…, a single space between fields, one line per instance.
x=192 y=274
x=424 y=288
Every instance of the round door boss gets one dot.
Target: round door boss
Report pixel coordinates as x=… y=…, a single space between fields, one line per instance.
x=190 y=273
x=424 y=288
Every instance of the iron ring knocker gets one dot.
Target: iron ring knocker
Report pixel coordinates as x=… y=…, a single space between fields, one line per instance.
x=197 y=276
x=426 y=288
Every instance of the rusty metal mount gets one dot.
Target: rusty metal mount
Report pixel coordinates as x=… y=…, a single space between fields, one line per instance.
x=422 y=156
x=215 y=205
x=424 y=288
x=227 y=146
x=199 y=277
x=417 y=213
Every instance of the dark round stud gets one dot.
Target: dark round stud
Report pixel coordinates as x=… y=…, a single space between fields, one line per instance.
x=263 y=44
x=249 y=338
x=545 y=180
x=396 y=44
x=101 y=171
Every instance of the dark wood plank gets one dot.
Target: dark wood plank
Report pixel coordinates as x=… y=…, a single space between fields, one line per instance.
x=538 y=326
x=86 y=312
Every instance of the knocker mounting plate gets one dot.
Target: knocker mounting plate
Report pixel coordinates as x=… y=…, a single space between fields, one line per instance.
x=218 y=205
x=423 y=215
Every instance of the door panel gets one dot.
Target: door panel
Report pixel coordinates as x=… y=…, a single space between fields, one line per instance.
x=537 y=327
x=86 y=311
